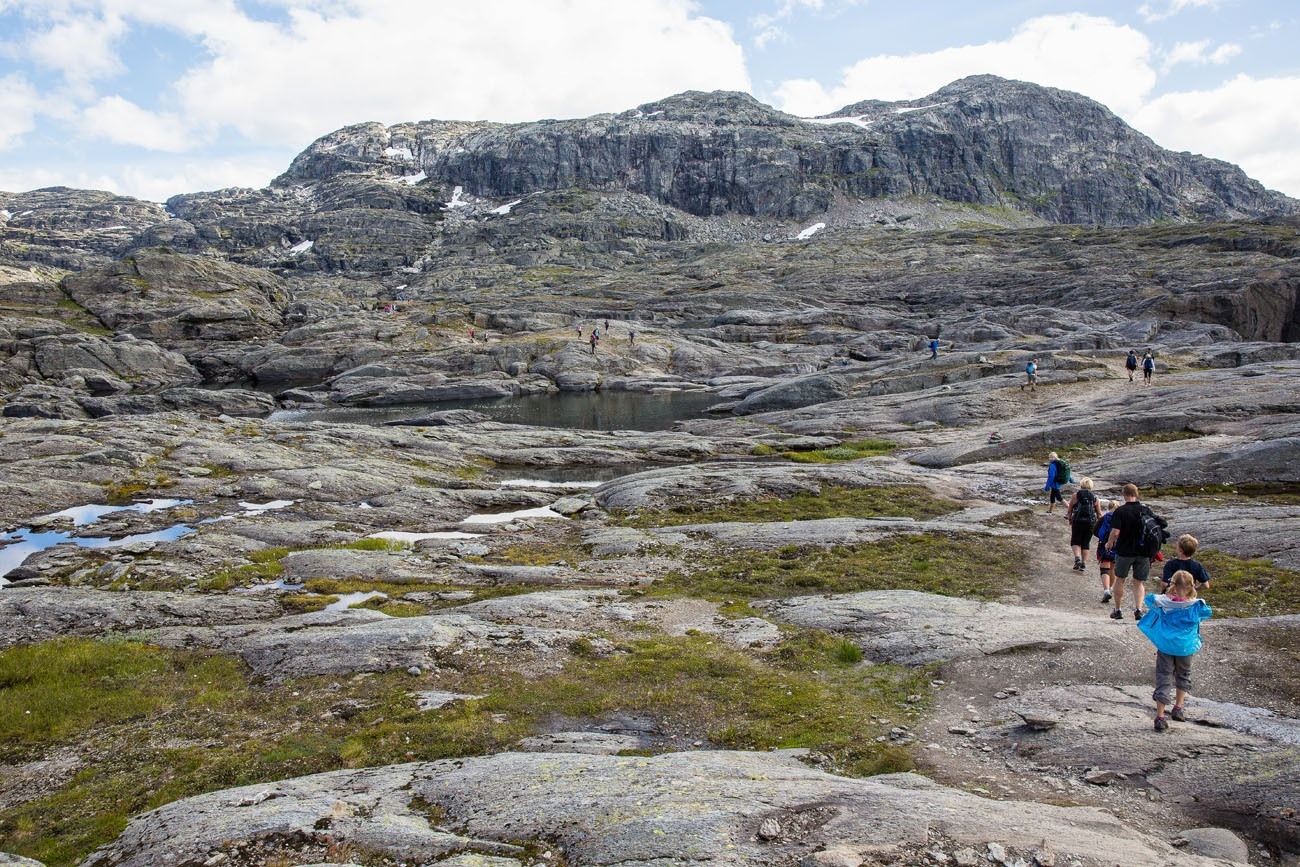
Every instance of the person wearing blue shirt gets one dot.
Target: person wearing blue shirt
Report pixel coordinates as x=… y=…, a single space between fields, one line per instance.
x=934 y=347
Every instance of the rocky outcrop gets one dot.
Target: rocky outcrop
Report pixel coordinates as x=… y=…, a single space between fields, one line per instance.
x=911 y=628
x=69 y=228
x=170 y=297
x=670 y=811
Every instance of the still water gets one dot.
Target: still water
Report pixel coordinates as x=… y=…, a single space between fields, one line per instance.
x=585 y=410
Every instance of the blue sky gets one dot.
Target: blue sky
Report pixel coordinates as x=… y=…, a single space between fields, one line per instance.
x=154 y=98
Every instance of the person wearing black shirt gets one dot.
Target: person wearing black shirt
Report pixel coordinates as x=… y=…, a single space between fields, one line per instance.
x=1125 y=540
x=1187 y=545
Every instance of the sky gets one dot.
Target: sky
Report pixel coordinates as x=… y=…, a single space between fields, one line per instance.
x=156 y=97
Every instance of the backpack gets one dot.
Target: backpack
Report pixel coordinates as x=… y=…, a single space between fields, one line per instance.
x=1154 y=534
x=1062 y=472
x=1085 y=508
x=1131 y=362
x=1148 y=363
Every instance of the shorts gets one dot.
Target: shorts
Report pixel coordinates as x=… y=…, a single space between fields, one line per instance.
x=1140 y=565
x=1081 y=535
x=1054 y=496
x=1172 y=672
x=1105 y=559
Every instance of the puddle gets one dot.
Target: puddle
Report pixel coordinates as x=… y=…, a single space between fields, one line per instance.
x=412 y=538
x=347 y=600
x=505 y=517
x=25 y=543
x=278 y=584
x=263 y=508
x=84 y=515
x=546 y=483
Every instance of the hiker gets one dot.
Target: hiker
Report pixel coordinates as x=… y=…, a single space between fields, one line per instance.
x=1148 y=367
x=1105 y=559
x=579 y=331
x=1173 y=623
x=934 y=348
x=1058 y=474
x=1136 y=535
x=1031 y=375
x=1082 y=514
x=631 y=338
x=606 y=326
x=471 y=334
x=1131 y=364
x=594 y=340
x=994 y=437
x=1187 y=545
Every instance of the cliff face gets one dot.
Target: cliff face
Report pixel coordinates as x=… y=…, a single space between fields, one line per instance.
x=981 y=140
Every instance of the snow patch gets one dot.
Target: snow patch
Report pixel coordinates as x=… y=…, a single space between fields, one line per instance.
x=113 y=228
x=416 y=267
x=856 y=121
x=540 y=483
x=505 y=209
x=25 y=213
x=402 y=153
x=909 y=109
x=412 y=180
x=412 y=538
x=301 y=247
x=456 y=201
x=5 y=215
x=810 y=231
x=263 y=508
x=506 y=517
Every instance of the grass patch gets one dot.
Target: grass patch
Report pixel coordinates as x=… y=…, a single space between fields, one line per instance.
x=849 y=451
x=393 y=607
x=762 y=450
x=895 y=501
x=164 y=725
x=948 y=564
x=1082 y=451
x=391 y=546
x=1249 y=588
x=303 y=603
x=266 y=565
x=1273 y=493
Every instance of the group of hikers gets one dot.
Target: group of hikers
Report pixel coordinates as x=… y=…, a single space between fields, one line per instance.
x=1130 y=538
x=1131 y=364
x=596 y=334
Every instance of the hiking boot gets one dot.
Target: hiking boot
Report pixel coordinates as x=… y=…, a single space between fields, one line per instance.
x=1078 y=565
x=1105 y=596
x=1161 y=724
x=1117 y=615
x=1137 y=613
x=1178 y=714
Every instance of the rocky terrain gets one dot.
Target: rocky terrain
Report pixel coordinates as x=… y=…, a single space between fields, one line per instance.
x=328 y=539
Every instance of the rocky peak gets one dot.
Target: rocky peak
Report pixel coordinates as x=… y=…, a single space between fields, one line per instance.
x=718 y=107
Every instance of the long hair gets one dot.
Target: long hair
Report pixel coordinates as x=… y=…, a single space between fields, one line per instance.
x=1182 y=584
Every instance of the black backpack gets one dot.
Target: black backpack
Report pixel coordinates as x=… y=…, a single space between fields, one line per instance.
x=1154 y=534
x=1085 y=508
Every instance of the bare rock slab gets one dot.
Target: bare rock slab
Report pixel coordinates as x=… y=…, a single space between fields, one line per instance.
x=727 y=808
x=912 y=628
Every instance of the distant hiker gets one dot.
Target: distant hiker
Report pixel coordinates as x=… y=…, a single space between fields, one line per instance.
x=1082 y=514
x=1131 y=364
x=1148 y=367
x=1136 y=534
x=580 y=331
x=631 y=337
x=606 y=326
x=1058 y=474
x=1187 y=545
x=934 y=348
x=594 y=339
x=1031 y=375
x=471 y=333
x=1105 y=558
x=994 y=438
x=1173 y=623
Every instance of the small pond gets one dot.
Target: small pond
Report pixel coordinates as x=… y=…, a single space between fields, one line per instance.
x=585 y=410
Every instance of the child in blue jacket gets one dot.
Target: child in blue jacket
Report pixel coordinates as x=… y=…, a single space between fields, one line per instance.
x=1173 y=623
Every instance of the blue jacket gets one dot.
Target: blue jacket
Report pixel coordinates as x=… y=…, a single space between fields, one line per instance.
x=1051 y=477
x=1174 y=627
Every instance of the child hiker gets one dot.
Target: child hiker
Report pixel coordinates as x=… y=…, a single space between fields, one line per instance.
x=1173 y=623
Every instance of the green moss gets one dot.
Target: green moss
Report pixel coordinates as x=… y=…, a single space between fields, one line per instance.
x=266 y=565
x=896 y=501
x=948 y=564
x=166 y=724
x=1249 y=588
x=1276 y=493
x=849 y=451
x=388 y=545
x=301 y=603
x=393 y=607
x=762 y=450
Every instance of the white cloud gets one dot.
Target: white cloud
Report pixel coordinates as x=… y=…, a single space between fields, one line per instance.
x=768 y=24
x=1056 y=50
x=1243 y=121
x=391 y=60
x=80 y=45
x=1170 y=8
x=18 y=105
x=154 y=181
x=1199 y=53
x=122 y=121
